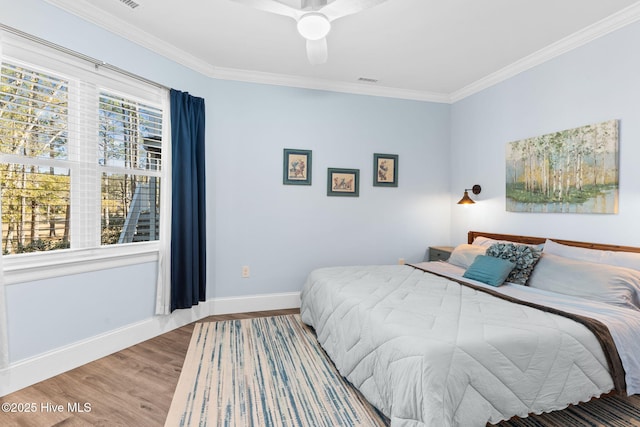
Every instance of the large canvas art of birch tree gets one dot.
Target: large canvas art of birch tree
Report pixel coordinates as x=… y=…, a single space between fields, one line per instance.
x=570 y=171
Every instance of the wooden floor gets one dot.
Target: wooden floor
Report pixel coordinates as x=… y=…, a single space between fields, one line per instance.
x=132 y=387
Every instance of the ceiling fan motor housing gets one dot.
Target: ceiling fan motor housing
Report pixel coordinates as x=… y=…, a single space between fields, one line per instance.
x=313 y=26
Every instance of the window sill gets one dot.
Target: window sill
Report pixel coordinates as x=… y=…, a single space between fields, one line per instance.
x=44 y=265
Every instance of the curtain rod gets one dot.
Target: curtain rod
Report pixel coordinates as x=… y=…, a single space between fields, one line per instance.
x=97 y=63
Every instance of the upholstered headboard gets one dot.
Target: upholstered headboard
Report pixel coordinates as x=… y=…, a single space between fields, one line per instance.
x=538 y=240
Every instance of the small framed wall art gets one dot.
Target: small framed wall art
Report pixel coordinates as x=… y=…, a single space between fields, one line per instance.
x=297 y=167
x=343 y=182
x=385 y=170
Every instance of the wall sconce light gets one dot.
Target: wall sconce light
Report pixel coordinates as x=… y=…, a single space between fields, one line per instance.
x=466 y=200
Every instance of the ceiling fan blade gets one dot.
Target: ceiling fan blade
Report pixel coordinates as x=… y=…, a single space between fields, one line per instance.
x=273 y=7
x=340 y=8
x=317 y=52
x=306 y=5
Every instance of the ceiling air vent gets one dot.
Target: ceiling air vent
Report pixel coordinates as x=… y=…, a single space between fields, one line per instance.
x=130 y=3
x=367 y=80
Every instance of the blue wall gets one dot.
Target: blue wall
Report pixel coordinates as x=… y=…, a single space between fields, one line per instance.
x=596 y=82
x=47 y=314
x=280 y=232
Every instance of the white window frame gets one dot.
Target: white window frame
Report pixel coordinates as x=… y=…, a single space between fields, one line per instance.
x=27 y=267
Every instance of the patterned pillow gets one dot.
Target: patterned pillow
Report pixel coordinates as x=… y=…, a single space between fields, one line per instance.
x=524 y=257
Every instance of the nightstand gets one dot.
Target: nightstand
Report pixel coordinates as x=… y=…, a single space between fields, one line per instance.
x=440 y=253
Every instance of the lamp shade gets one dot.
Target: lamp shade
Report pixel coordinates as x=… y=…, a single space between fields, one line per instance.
x=314 y=26
x=466 y=200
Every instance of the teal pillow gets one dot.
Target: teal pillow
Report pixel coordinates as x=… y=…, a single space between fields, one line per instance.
x=490 y=270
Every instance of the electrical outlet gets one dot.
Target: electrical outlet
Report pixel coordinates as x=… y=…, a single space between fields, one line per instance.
x=400 y=261
x=245 y=271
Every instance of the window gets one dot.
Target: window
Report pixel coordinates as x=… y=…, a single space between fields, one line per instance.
x=130 y=146
x=35 y=171
x=80 y=155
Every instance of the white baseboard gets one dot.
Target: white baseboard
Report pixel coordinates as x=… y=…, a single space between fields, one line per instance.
x=41 y=367
x=251 y=303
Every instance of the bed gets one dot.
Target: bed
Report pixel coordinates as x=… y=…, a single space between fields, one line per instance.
x=430 y=347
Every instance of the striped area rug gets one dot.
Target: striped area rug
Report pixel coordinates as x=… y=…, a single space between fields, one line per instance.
x=607 y=411
x=263 y=372
x=271 y=371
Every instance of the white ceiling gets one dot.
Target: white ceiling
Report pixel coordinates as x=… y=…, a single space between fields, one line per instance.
x=417 y=49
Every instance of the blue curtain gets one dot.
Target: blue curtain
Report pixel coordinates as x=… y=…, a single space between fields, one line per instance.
x=188 y=219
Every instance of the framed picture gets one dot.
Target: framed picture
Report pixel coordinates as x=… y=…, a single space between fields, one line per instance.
x=343 y=182
x=385 y=170
x=297 y=167
x=571 y=171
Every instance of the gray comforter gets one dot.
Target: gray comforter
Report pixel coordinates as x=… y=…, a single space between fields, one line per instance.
x=428 y=351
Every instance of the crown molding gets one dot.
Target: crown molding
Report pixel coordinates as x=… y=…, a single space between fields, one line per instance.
x=328 y=85
x=601 y=28
x=117 y=26
x=123 y=29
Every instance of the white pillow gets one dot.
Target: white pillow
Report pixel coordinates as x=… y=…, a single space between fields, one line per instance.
x=464 y=255
x=486 y=242
x=620 y=259
x=606 y=283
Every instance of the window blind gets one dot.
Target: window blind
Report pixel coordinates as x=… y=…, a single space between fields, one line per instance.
x=80 y=152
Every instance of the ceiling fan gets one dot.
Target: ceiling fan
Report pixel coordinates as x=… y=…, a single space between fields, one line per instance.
x=314 y=18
